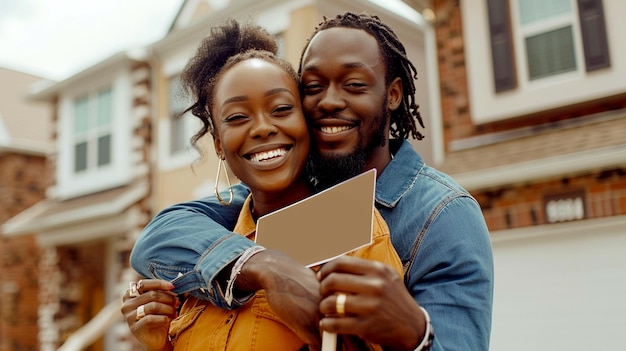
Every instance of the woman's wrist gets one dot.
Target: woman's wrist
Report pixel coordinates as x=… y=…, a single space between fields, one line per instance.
x=242 y=283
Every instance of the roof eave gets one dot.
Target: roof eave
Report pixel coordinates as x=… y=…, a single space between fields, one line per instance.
x=45 y=91
x=535 y=170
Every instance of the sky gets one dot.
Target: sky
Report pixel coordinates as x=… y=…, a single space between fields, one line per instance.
x=55 y=39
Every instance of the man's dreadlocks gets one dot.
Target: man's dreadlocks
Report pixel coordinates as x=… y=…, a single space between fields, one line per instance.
x=397 y=64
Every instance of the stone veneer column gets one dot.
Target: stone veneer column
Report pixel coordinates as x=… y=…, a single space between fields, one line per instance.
x=141 y=143
x=49 y=297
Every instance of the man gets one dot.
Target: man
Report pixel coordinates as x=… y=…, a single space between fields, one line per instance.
x=358 y=89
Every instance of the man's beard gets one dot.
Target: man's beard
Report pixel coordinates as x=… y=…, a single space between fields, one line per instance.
x=328 y=170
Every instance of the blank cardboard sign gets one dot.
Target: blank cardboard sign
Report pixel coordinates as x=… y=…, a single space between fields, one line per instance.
x=323 y=226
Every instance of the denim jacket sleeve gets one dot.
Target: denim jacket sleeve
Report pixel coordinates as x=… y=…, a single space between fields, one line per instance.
x=440 y=234
x=189 y=243
x=451 y=276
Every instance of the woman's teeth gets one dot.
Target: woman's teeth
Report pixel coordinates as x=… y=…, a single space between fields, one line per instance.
x=266 y=155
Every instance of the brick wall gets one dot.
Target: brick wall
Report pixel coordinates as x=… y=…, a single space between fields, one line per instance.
x=22 y=184
x=523 y=205
x=457 y=123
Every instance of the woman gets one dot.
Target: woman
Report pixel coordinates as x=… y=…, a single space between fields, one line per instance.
x=248 y=99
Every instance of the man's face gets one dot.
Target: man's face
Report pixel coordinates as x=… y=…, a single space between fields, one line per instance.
x=345 y=99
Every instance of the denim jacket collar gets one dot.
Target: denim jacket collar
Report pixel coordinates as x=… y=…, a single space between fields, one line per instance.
x=399 y=176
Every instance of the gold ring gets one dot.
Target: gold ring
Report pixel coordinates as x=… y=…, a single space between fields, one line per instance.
x=133 y=291
x=141 y=312
x=340 y=304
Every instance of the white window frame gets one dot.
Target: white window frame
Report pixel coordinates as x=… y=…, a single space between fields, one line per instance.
x=174 y=115
x=118 y=171
x=93 y=131
x=191 y=124
x=184 y=158
x=521 y=32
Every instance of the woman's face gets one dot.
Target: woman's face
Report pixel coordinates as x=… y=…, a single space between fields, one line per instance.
x=259 y=125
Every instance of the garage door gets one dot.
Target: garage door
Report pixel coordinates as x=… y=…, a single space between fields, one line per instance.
x=561 y=287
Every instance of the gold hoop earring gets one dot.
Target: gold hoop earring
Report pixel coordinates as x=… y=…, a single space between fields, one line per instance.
x=217 y=182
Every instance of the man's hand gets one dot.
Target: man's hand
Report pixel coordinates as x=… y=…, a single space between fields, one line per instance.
x=160 y=308
x=291 y=289
x=378 y=307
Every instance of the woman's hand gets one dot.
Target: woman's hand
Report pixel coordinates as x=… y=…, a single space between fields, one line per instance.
x=376 y=304
x=150 y=312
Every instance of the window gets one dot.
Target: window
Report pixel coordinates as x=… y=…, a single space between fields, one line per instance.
x=550 y=53
x=546 y=29
x=92 y=131
x=280 y=40
x=94 y=134
x=175 y=131
x=528 y=56
x=547 y=37
x=177 y=103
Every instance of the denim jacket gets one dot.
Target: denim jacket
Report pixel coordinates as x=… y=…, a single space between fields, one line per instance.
x=436 y=227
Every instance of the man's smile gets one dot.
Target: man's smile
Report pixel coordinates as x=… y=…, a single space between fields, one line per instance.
x=330 y=126
x=334 y=129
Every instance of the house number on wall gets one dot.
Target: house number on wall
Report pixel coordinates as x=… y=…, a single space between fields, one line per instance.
x=565 y=207
x=565 y=210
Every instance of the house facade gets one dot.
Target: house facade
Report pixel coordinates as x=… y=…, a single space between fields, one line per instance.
x=533 y=98
x=24 y=144
x=95 y=197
